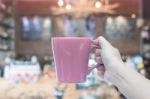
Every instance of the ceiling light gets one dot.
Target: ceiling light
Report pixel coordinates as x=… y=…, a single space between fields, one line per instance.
x=98 y=4
x=133 y=16
x=68 y=6
x=60 y=3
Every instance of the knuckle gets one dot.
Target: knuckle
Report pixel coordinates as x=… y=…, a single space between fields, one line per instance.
x=116 y=50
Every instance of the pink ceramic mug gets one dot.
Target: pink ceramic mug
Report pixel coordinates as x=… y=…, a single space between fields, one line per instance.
x=71 y=56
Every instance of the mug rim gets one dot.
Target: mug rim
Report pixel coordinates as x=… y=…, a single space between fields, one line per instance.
x=71 y=38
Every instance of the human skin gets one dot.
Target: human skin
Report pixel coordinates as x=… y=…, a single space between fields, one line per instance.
x=129 y=82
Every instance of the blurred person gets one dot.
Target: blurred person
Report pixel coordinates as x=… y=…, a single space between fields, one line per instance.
x=70 y=29
x=129 y=82
x=91 y=26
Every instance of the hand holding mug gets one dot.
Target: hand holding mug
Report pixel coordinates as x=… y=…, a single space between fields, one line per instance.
x=110 y=56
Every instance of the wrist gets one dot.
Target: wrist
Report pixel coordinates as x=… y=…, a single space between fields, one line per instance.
x=116 y=75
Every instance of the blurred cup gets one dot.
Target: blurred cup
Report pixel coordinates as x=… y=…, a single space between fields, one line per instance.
x=71 y=56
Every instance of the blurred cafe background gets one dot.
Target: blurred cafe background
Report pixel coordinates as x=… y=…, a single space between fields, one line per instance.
x=27 y=67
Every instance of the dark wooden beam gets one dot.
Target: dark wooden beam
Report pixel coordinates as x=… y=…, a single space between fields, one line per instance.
x=34 y=7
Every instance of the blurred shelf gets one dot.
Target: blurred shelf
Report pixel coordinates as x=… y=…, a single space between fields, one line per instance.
x=4 y=48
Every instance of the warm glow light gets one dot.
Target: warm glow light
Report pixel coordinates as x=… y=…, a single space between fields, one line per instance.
x=2 y=6
x=60 y=3
x=98 y=4
x=109 y=20
x=68 y=6
x=133 y=16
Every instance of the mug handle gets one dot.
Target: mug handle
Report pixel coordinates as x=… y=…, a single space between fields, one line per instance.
x=94 y=46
